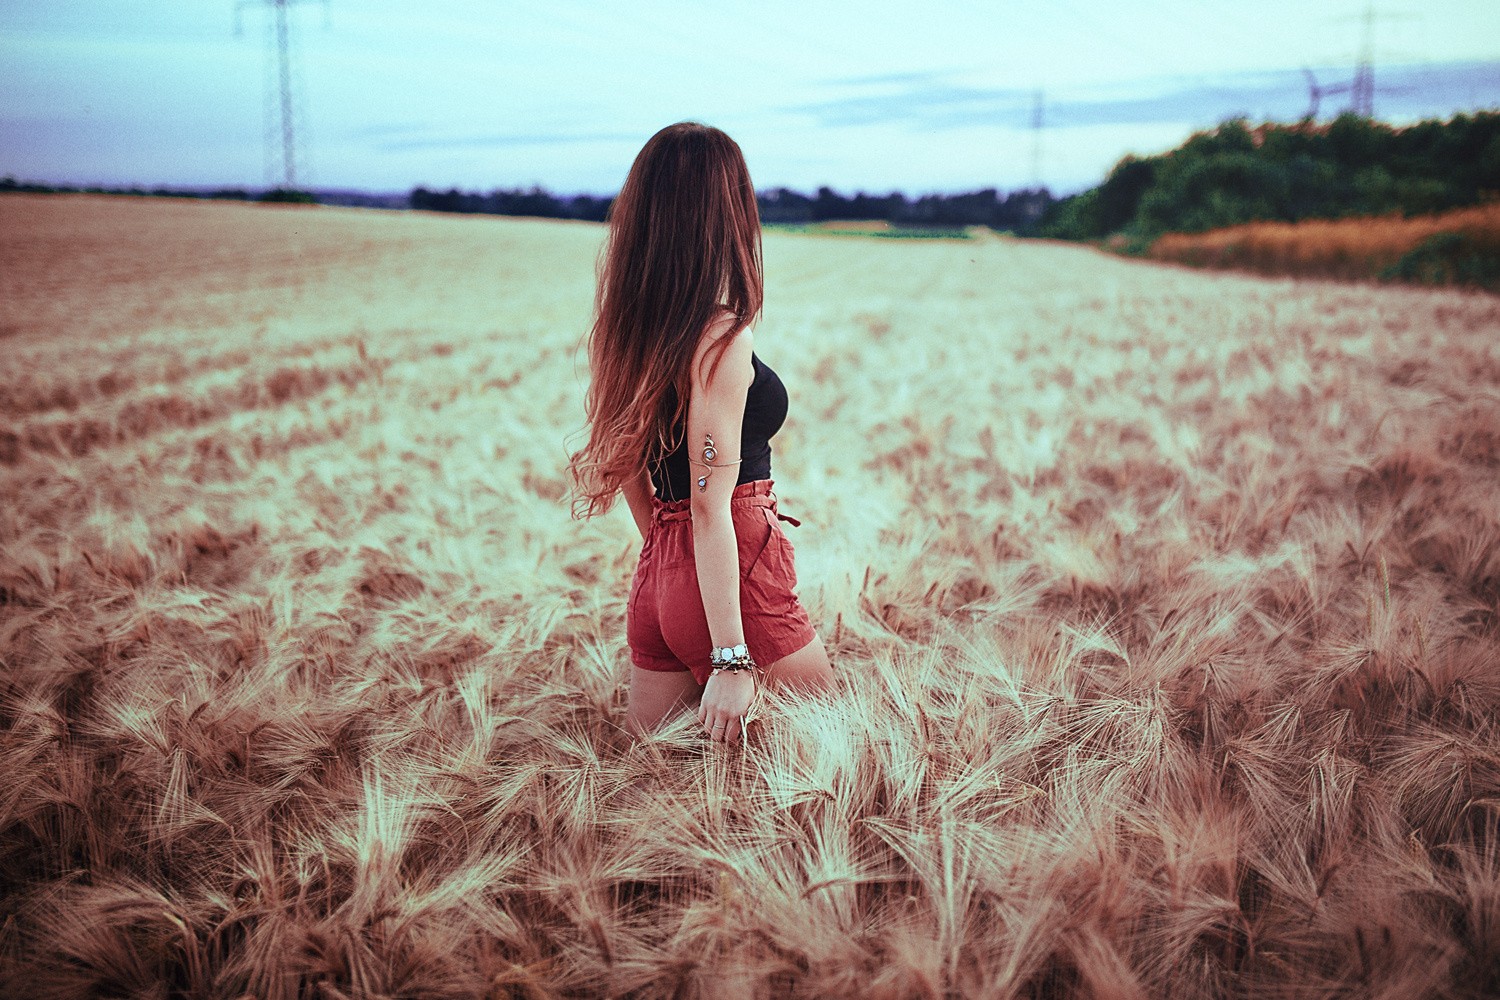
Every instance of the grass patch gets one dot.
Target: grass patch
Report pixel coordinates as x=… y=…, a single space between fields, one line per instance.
x=1461 y=247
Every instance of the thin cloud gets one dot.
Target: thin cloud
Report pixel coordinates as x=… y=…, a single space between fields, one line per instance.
x=501 y=141
x=387 y=130
x=880 y=79
x=931 y=103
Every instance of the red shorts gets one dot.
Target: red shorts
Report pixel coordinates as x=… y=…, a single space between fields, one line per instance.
x=664 y=620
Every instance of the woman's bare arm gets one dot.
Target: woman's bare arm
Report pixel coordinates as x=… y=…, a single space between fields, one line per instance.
x=638 y=493
x=716 y=409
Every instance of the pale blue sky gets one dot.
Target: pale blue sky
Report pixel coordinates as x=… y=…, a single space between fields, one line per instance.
x=936 y=96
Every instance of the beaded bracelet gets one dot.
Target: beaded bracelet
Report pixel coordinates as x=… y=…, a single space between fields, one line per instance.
x=720 y=655
x=731 y=658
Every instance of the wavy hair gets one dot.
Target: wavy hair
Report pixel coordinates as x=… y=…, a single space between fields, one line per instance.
x=683 y=246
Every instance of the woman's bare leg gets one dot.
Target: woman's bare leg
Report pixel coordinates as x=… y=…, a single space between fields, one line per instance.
x=806 y=670
x=656 y=695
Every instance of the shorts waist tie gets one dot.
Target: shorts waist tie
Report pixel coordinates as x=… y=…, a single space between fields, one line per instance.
x=680 y=510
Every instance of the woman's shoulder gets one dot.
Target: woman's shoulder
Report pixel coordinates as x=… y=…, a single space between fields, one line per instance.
x=727 y=326
x=732 y=342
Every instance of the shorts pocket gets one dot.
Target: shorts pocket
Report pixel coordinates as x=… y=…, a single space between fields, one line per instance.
x=637 y=581
x=754 y=536
x=769 y=579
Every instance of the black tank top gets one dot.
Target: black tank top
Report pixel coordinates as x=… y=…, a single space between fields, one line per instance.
x=765 y=411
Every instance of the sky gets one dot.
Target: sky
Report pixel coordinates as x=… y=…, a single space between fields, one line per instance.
x=936 y=96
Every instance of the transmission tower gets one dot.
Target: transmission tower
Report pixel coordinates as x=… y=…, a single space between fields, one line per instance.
x=1037 y=124
x=1316 y=93
x=1362 y=90
x=286 y=135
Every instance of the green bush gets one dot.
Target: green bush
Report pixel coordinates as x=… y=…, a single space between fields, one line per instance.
x=288 y=196
x=1236 y=173
x=1449 y=259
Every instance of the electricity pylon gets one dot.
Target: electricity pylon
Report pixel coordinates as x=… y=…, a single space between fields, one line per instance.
x=1316 y=93
x=1362 y=89
x=283 y=40
x=1038 y=122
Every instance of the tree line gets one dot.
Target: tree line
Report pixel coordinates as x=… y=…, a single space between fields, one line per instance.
x=9 y=185
x=1237 y=173
x=536 y=202
x=1019 y=211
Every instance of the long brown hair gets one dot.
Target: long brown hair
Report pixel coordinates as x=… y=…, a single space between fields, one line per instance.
x=683 y=244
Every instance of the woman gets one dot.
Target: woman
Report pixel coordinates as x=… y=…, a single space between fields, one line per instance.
x=681 y=412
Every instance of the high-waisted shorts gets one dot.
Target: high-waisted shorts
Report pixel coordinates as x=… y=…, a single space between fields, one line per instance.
x=664 y=621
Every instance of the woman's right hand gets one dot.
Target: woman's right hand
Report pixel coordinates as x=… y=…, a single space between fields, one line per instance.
x=726 y=698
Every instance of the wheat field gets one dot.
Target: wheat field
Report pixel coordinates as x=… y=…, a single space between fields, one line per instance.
x=1165 y=608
